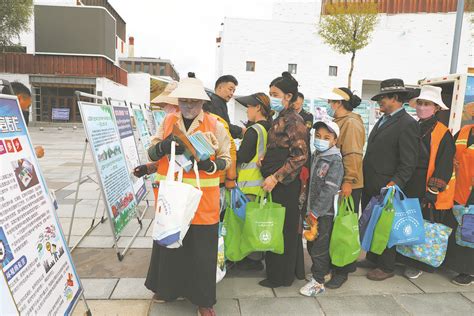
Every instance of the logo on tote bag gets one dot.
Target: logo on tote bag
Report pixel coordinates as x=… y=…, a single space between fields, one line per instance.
x=265 y=237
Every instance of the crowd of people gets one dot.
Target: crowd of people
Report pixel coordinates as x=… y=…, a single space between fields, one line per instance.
x=421 y=157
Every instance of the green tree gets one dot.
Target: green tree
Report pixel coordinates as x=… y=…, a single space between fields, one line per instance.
x=348 y=27
x=14 y=19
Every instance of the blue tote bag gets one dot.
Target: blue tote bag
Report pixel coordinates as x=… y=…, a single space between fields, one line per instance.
x=408 y=226
x=465 y=231
x=367 y=214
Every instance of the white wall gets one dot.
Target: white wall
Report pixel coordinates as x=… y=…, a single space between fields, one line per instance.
x=24 y=79
x=111 y=89
x=408 y=46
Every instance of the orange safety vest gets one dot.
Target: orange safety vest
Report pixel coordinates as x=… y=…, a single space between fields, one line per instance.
x=445 y=200
x=465 y=171
x=208 y=209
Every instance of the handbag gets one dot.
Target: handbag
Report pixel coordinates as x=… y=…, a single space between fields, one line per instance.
x=263 y=227
x=232 y=231
x=465 y=231
x=239 y=202
x=433 y=250
x=384 y=225
x=408 y=228
x=176 y=205
x=344 y=247
x=366 y=215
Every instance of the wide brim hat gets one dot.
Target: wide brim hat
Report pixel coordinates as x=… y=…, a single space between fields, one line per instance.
x=330 y=125
x=335 y=94
x=190 y=88
x=433 y=94
x=391 y=86
x=164 y=96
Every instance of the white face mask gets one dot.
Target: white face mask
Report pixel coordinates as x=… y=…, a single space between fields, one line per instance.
x=276 y=104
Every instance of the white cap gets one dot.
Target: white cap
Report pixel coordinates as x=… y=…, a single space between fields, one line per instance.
x=330 y=125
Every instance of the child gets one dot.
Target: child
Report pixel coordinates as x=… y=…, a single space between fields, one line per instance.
x=326 y=177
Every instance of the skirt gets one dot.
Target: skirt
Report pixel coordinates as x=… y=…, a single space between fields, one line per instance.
x=189 y=271
x=281 y=269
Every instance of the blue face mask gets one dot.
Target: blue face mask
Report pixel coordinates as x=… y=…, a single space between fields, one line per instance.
x=276 y=104
x=321 y=145
x=331 y=112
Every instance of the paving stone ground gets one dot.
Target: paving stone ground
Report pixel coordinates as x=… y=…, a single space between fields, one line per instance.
x=116 y=288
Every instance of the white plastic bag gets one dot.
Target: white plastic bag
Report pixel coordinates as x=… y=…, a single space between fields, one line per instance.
x=221 y=267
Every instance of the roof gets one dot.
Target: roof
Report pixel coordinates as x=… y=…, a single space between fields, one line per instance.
x=146 y=60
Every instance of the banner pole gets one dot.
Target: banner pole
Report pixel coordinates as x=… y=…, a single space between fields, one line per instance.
x=88 y=310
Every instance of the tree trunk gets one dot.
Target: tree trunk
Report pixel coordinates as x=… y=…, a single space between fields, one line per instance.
x=349 y=79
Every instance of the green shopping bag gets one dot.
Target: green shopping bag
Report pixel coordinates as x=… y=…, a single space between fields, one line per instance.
x=232 y=232
x=344 y=247
x=383 y=228
x=263 y=228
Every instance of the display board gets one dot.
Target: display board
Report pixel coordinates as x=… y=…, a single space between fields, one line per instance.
x=34 y=257
x=150 y=121
x=159 y=117
x=142 y=128
x=124 y=124
x=111 y=166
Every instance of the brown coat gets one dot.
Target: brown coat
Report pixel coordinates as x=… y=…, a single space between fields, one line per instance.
x=351 y=142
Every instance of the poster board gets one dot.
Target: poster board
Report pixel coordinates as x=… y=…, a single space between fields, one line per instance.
x=150 y=120
x=142 y=128
x=129 y=146
x=159 y=117
x=34 y=258
x=109 y=160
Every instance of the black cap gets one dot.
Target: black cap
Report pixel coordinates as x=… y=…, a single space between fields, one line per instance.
x=249 y=100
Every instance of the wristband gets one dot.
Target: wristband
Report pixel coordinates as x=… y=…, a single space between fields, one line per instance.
x=214 y=168
x=433 y=192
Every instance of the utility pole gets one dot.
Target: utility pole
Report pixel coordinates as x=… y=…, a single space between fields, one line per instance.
x=457 y=37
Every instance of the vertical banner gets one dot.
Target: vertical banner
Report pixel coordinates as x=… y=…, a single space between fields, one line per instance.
x=159 y=117
x=124 y=124
x=142 y=128
x=110 y=163
x=34 y=257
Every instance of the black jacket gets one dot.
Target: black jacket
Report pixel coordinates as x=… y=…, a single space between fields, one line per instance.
x=307 y=118
x=392 y=153
x=218 y=106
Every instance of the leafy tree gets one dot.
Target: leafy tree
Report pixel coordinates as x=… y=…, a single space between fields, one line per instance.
x=14 y=19
x=348 y=27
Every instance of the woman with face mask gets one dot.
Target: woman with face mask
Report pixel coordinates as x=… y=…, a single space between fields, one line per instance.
x=351 y=142
x=287 y=153
x=433 y=180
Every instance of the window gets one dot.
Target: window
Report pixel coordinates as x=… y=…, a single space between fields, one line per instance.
x=333 y=71
x=292 y=69
x=162 y=70
x=146 y=68
x=250 y=66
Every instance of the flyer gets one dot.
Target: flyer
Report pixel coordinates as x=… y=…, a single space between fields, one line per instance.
x=142 y=128
x=159 y=116
x=129 y=146
x=110 y=163
x=34 y=257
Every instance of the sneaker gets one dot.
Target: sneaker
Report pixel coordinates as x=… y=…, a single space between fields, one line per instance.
x=336 y=282
x=312 y=288
x=463 y=279
x=412 y=273
x=309 y=277
x=206 y=311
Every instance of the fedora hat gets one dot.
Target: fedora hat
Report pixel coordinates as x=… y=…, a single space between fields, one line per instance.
x=164 y=96
x=391 y=86
x=190 y=88
x=433 y=94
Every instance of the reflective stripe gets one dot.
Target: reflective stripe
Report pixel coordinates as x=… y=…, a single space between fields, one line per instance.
x=260 y=145
x=204 y=183
x=254 y=183
x=250 y=165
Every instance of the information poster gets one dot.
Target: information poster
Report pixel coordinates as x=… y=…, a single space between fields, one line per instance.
x=34 y=258
x=124 y=124
x=159 y=117
x=142 y=128
x=109 y=159
x=150 y=121
x=468 y=109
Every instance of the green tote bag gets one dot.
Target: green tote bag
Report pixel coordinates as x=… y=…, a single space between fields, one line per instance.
x=232 y=232
x=344 y=247
x=383 y=228
x=263 y=228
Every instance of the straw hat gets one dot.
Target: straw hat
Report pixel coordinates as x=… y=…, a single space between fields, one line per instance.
x=164 y=96
x=433 y=94
x=190 y=88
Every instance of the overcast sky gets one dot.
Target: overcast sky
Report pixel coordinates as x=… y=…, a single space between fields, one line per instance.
x=185 y=30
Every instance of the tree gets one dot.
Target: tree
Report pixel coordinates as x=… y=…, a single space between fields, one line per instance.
x=14 y=19
x=348 y=27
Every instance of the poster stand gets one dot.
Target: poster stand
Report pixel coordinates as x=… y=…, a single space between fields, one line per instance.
x=120 y=254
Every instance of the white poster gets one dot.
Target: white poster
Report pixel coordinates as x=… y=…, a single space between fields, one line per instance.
x=34 y=257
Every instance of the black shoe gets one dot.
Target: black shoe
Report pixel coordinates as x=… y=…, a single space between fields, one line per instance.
x=269 y=284
x=336 y=281
x=463 y=279
x=249 y=265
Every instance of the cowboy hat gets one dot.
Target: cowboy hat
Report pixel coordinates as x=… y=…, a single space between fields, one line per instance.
x=164 y=96
x=190 y=88
x=433 y=94
x=391 y=86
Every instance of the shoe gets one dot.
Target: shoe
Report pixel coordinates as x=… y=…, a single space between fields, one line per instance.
x=309 y=277
x=206 y=311
x=156 y=299
x=269 y=284
x=312 y=288
x=463 y=279
x=379 y=275
x=249 y=265
x=412 y=273
x=336 y=282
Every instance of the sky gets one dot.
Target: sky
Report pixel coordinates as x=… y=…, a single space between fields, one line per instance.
x=185 y=31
